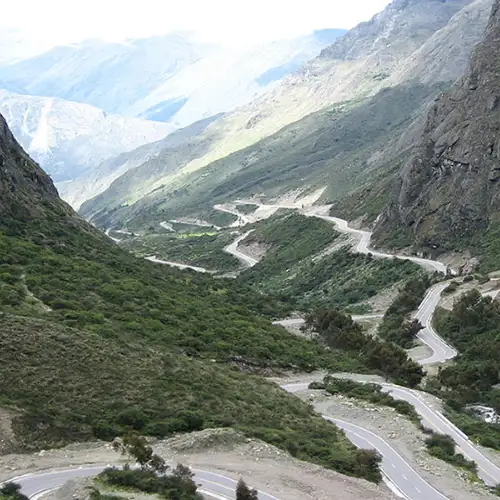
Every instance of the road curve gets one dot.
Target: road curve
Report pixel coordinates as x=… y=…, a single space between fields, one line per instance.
x=242 y=219
x=178 y=265
x=441 y=351
x=212 y=485
x=232 y=249
x=395 y=468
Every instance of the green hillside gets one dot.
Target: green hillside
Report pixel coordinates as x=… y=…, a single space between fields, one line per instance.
x=94 y=341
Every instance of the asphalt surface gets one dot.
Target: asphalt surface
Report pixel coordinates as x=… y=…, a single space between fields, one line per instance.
x=212 y=485
x=178 y=265
x=441 y=351
x=232 y=249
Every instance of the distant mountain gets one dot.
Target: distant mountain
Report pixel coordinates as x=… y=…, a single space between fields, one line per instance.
x=67 y=138
x=413 y=47
x=169 y=78
x=447 y=195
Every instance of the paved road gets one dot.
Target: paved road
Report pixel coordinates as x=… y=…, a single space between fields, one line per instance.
x=178 y=265
x=441 y=351
x=298 y=322
x=232 y=249
x=399 y=473
x=212 y=485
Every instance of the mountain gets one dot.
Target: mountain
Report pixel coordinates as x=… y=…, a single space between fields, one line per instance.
x=96 y=342
x=98 y=178
x=67 y=138
x=110 y=76
x=344 y=91
x=447 y=194
x=169 y=78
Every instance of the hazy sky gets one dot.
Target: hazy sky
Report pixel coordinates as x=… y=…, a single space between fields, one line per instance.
x=226 y=21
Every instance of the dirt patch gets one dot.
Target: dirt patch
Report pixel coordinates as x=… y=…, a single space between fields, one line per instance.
x=254 y=249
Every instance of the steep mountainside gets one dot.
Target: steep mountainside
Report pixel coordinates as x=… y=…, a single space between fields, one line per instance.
x=447 y=196
x=94 y=342
x=341 y=146
x=67 y=138
x=170 y=78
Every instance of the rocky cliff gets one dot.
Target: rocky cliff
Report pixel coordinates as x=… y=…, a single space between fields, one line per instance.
x=448 y=193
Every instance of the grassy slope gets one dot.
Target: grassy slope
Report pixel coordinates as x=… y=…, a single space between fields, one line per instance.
x=126 y=343
x=203 y=250
x=341 y=279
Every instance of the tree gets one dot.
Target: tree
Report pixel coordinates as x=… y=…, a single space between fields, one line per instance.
x=11 y=491
x=135 y=446
x=243 y=492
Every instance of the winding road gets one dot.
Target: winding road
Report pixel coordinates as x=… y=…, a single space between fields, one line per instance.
x=212 y=485
x=410 y=485
x=402 y=478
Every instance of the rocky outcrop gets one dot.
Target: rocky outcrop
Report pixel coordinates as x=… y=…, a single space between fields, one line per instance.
x=450 y=189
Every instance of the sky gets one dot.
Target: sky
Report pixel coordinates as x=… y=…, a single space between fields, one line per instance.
x=229 y=22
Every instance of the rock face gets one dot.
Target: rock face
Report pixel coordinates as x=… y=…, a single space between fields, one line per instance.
x=449 y=190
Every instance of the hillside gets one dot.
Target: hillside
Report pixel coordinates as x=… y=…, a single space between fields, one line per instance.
x=94 y=341
x=447 y=194
x=309 y=266
x=375 y=62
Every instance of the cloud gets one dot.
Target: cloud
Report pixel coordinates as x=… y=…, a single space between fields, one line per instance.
x=224 y=21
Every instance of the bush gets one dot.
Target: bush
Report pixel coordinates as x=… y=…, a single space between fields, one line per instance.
x=443 y=447
x=367 y=392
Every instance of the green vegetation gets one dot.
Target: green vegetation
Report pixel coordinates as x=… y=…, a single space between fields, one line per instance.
x=218 y=218
x=443 y=447
x=472 y=328
x=151 y=477
x=246 y=208
x=113 y=343
x=11 y=491
x=205 y=250
x=243 y=492
x=340 y=279
x=366 y=392
x=339 y=331
x=395 y=327
x=178 y=484
x=327 y=148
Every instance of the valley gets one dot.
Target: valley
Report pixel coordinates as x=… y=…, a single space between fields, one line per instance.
x=283 y=273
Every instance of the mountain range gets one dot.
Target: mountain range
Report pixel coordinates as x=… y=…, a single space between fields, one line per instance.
x=320 y=126
x=76 y=106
